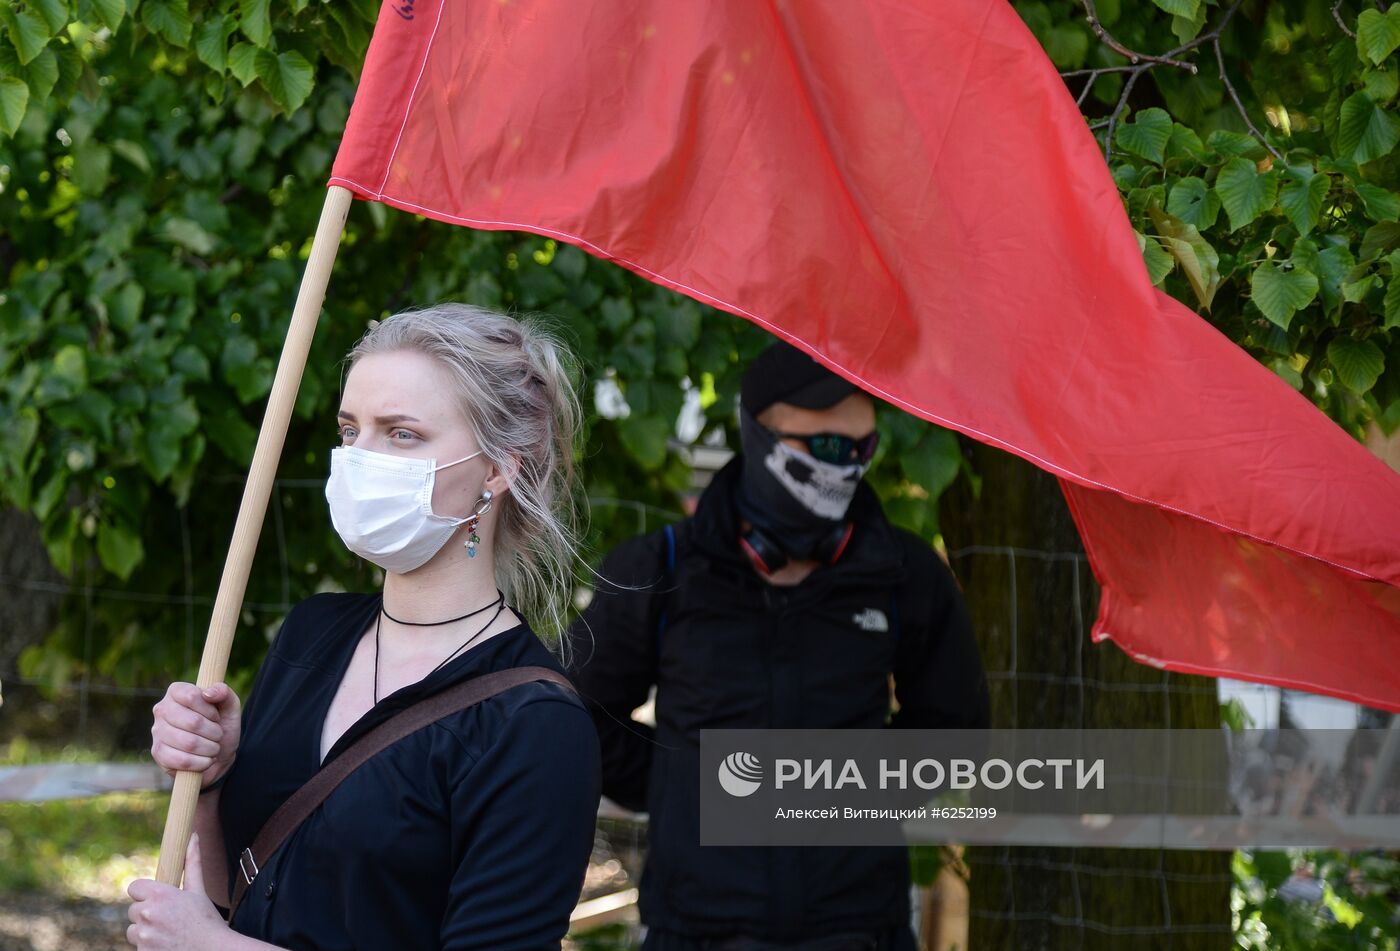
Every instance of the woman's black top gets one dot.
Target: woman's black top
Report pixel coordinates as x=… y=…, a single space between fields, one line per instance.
x=474 y=832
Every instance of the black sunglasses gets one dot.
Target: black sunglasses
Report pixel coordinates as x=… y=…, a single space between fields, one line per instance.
x=836 y=448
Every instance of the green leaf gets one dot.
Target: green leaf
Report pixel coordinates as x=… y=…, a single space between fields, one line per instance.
x=28 y=32
x=133 y=153
x=244 y=148
x=215 y=85
x=159 y=456
x=1198 y=259
x=1301 y=199
x=1244 y=192
x=48 y=497
x=177 y=421
x=1382 y=204
x=1187 y=28
x=1342 y=62
x=26 y=432
x=347 y=41
x=42 y=74
x=1146 y=135
x=237 y=439
x=1377 y=34
x=111 y=12
x=934 y=461
x=14 y=99
x=92 y=166
x=1236 y=144
x=616 y=313
x=1067 y=45
x=70 y=70
x=190 y=235
x=1279 y=293
x=242 y=62
x=249 y=374
x=1185 y=144
x=191 y=363
x=54 y=12
x=119 y=548
x=1331 y=265
x=1159 y=262
x=1366 y=130
x=239 y=352
x=645 y=436
x=1382 y=84
x=1193 y=202
x=169 y=19
x=70 y=366
x=1391 y=302
x=1358 y=363
x=211 y=42
x=1378 y=239
x=568 y=260
x=679 y=325
x=124 y=306
x=287 y=77
x=254 y=22
x=1288 y=372
x=1181 y=8
x=1354 y=290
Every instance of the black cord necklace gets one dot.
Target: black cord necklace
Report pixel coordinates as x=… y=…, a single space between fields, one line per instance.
x=499 y=603
x=489 y=605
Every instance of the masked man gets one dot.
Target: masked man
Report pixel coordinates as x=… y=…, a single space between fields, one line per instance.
x=786 y=601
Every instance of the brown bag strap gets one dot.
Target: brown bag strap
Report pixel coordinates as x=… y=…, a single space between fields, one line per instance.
x=305 y=800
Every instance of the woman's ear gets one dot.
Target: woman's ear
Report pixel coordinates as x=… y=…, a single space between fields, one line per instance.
x=499 y=478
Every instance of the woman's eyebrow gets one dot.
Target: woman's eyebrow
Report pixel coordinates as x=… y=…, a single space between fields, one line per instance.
x=382 y=420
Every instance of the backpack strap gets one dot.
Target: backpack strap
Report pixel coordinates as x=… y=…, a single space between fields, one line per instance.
x=309 y=797
x=666 y=579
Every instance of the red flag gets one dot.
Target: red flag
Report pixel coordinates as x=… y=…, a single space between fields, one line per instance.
x=908 y=192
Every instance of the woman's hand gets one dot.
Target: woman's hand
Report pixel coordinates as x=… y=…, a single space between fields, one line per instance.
x=165 y=917
x=196 y=730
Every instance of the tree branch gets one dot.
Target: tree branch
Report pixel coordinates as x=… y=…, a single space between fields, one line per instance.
x=1220 y=59
x=1142 y=62
x=1337 y=15
x=1132 y=55
x=1118 y=111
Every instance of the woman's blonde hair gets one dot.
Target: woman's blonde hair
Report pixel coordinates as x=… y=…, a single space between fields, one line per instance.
x=515 y=385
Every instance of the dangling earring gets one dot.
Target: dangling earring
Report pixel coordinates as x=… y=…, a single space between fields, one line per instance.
x=483 y=505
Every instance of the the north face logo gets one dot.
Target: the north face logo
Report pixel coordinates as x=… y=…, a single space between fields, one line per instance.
x=871 y=619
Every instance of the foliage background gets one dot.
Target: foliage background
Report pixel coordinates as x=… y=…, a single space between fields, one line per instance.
x=161 y=171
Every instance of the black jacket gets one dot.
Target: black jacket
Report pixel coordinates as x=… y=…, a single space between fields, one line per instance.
x=473 y=832
x=739 y=653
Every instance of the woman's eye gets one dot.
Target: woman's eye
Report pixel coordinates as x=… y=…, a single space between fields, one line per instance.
x=346 y=432
x=396 y=434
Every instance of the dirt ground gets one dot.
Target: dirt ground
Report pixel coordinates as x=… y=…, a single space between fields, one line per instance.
x=43 y=923
x=40 y=922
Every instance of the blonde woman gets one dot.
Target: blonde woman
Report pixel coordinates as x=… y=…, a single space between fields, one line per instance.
x=454 y=474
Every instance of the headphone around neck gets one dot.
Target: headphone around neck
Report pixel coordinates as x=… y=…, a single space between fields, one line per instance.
x=767 y=556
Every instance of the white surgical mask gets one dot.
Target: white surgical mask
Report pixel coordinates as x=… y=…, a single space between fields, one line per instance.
x=382 y=507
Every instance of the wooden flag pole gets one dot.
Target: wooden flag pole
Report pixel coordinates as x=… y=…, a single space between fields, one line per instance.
x=179 y=820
